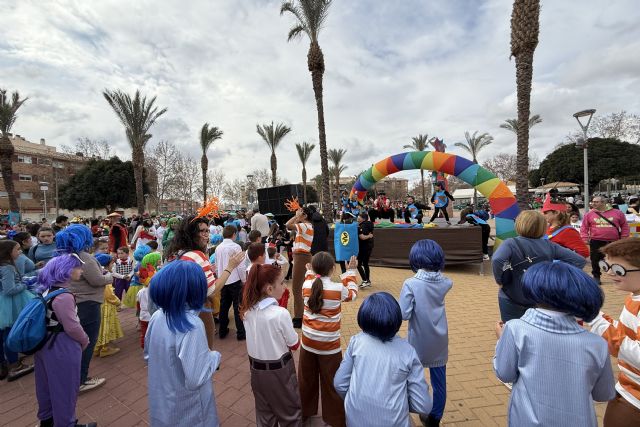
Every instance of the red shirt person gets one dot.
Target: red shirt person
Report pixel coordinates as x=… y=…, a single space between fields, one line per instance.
x=560 y=230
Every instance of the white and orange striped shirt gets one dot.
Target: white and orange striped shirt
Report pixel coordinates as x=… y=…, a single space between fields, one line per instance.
x=304 y=238
x=623 y=337
x=321 y=331
x=199 y=258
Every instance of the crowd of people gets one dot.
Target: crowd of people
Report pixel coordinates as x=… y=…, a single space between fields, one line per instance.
x=183 y=276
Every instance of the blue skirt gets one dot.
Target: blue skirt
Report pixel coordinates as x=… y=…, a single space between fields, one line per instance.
x=11 y=306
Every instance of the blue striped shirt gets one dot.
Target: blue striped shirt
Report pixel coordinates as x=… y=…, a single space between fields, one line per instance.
x=557 y=370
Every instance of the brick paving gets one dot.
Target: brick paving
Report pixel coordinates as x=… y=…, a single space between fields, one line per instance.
x=475 y=396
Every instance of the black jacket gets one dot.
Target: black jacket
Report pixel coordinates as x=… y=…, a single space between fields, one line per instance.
x=320 y=234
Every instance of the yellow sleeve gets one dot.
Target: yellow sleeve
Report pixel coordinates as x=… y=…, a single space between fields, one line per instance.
x=109 y=296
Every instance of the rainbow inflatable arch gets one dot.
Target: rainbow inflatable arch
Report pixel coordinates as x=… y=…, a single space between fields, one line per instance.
x=501 y=199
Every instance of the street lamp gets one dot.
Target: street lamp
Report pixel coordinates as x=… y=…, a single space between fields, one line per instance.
x=250 y=189
x=44 y=186
x=586 y=115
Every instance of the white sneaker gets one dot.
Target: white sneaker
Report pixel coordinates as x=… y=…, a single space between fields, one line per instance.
x=485 y=257
x=91 y=383
x=508 y=385
x=365 y=284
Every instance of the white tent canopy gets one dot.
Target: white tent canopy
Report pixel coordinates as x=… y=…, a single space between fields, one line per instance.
x=467 y=193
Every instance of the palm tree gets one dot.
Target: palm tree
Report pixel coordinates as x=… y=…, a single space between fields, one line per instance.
x=8 y=110
x=512 y=124
x=137 y=115
x=272 y=136
x=304 y=151
x=310 y=16
x=420 y=143
x=335 y=157
x=525 y=26
x=474 y=144
x=207 y=136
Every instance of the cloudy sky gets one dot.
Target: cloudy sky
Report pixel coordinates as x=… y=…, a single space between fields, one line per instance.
x=394 y=69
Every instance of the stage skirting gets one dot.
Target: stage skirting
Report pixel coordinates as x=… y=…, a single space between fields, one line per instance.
x=461 y=245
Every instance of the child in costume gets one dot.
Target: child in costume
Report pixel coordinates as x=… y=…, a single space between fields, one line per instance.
x=179 y=361
x=440 y=200
x=557 y=368
x=422 y=304
x=134 y=287
x=398 y=387
x=57 y=363
x=622 y=264
x=110 y=328
x=321 y=355
x=122 y=271
x=270 y=341
x=43 y=251
x=143 y=302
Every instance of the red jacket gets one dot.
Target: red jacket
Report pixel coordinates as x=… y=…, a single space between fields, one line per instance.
x=595 y=227
x=118 y=236
x=570 y=239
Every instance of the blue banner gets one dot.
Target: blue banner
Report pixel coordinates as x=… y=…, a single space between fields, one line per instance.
x=345 y=241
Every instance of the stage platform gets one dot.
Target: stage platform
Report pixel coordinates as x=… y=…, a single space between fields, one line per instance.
x=461 y=244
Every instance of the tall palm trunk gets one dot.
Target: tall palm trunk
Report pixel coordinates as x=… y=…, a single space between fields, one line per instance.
x=204 y=164
x=315 y=62
x=138 y=161
x=6 y=166
x=424 y=199
x=274 y=168
x=524 y=75
x=304 y=184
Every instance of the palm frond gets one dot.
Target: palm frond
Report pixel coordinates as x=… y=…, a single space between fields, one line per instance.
x=273 y=135
x=8 y=110
x=336 y=155
x=512 y=124
x=304 y=152
x=208 y=135
x=310 y=15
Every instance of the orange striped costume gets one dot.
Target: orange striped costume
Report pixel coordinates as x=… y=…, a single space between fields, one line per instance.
x=623 y=337
x=304 y=237
x=321 y=331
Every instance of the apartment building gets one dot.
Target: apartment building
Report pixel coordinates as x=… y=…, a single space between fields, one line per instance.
x=33 y=165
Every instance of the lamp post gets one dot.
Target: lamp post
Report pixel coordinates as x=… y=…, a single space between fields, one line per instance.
x=586 y=115
x=250 y=190
x=44 y=186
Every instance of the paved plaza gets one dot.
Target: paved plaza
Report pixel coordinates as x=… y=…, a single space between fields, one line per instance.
x=475 y=396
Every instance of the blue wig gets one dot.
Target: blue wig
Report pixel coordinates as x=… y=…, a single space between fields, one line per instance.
x=563 y=287
x=380 y=316
x=57 y=271
x=215 y=239
x=141 y=252
x=73 y=239
x=426 y=255
x=177 y=287
x=103 y=259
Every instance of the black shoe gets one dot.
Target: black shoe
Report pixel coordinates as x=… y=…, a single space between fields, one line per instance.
x=241 y=337
x=4 y=371
x=223 y=334
x=216 y=320
x=429 y=421
x=46 y=423
x=297 y=322
x=87 y=425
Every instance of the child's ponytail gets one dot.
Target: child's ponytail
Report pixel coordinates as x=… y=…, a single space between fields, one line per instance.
x=322 y=264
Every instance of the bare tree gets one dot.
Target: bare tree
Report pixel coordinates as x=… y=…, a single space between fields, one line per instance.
x=232 y=192
x=504 y=165
x=215 y=182
x=623 y=126
x=99 y=148
x=188 y=176
x=162 y=160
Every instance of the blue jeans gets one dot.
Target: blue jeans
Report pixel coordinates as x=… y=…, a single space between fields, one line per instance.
x=509 y=310
x=439 y=384
x=6 y=355
x=89 y=315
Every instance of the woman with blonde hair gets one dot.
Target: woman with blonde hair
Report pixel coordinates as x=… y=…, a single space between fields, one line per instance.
x=515 y=255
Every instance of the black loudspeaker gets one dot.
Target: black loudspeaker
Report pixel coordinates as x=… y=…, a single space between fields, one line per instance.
x=272 y=199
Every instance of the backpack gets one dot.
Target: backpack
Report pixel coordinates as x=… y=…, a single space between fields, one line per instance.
x=29 y=332
x=512 y=272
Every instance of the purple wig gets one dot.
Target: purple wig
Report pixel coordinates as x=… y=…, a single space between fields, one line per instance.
x=57 y=271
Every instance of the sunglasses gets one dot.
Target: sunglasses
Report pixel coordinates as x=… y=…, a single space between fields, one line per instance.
x=617 y=269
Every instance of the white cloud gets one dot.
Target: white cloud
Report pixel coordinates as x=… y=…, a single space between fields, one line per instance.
x=393 y=70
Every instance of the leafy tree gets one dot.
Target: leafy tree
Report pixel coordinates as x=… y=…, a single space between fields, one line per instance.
x=8 y=110
x=473 y=145
x=420 y=143
x=525 y=26
x=137 y=115
x=304 y=152
x=272 y=136
x=101 y=184
x=608 y=158
x=207 y=136
x=310 y=16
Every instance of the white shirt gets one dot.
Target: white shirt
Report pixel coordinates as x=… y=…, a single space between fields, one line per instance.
x=224 y=252
x=261 y=223
x=269 y=330
x=143 y=299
